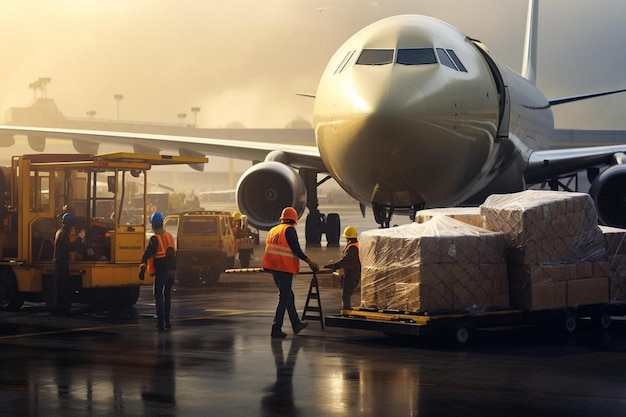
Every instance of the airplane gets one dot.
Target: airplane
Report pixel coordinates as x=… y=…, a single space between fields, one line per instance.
x=409 y=113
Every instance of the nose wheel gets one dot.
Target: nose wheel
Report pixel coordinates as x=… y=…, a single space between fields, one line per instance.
x=382 y=214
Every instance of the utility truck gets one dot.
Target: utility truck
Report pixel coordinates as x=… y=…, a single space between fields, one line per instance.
x=101 y=192
x=207 y=242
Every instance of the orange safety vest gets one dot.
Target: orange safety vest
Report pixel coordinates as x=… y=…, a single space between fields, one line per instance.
x=166 y=240
x=278 y=255
x=358 y=248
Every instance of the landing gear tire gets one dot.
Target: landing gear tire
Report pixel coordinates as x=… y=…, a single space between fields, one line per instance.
x=333 y=226
x=313 y=229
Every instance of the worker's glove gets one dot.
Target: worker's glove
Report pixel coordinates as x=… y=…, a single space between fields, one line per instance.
x=142 y=271
x=314 y=267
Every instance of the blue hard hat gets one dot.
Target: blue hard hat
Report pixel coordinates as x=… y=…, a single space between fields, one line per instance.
x=156 y=218
x=68 y=219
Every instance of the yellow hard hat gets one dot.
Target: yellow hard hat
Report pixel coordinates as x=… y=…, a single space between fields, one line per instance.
x=237 y=215
x=350 y=232
x=289 y=213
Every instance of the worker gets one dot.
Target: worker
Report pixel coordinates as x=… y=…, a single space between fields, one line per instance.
x=282 y=259
x=159 y=259
x=351 y=264
x=236 y=224
x=61 y=265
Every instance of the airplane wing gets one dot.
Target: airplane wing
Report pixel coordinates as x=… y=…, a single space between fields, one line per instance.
x=546 y=164
x=87 y=141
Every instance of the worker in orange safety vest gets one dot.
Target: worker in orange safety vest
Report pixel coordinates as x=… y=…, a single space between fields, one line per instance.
x=351 y=264
x=282 y=259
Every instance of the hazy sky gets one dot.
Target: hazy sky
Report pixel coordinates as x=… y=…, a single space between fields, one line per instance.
x=245 y=60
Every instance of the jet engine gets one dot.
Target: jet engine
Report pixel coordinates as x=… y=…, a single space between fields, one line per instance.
x=265 y=189
x=608 y=191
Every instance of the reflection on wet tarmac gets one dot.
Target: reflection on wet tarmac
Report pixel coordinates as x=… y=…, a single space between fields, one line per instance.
x=279 y=399
x=159 y=390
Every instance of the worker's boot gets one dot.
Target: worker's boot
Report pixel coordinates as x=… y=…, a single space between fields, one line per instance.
x=299 y=327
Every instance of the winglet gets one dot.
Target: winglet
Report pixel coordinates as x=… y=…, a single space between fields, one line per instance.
x=529 y=64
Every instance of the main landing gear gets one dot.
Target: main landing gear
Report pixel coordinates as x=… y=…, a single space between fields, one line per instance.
x=318 y=223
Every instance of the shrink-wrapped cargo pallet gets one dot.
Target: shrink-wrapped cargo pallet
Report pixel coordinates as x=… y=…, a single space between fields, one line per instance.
x=553 y=248
x=442 y=264
x=546 y=226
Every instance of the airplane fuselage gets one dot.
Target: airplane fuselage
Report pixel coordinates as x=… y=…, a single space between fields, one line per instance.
x=412 y=112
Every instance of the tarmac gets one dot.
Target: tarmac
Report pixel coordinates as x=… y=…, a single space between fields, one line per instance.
x=219 y=360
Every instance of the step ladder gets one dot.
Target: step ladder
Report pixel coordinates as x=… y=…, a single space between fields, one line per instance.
x=311 y=311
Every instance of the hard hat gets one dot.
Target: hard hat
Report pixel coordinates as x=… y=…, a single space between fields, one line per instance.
x=68 y=219
x=350 y=232
x=289 y=213
x=156 y=218
x=237 y=215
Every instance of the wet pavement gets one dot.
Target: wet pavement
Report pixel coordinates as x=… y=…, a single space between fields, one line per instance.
x=218 y=360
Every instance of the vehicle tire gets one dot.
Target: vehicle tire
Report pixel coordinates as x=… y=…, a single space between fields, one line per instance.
x=126 y=296
x=570 y=323
x=213 y=275
x=244 y=258
x=188 y=276
x=602 y=320
x=333 y=227
x=462 y=334
x=113 y=298
x=10 y=298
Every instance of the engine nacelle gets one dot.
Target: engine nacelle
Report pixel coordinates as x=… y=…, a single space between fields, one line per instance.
x=265 y=189
x=608 y=191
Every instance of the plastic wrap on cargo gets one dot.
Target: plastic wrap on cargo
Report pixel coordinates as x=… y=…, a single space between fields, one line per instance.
x=469 y=215
x=544 y=227
x=442 y=264
x=615 y=241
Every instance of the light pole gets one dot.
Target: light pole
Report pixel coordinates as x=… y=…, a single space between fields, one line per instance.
x=182 y=117
x=118 y=98
x=91 y=113
x=43 y=85
x=195 y=111
x=34 y=86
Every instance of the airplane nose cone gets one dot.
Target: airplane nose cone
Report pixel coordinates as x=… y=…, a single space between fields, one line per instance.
x=408 y=136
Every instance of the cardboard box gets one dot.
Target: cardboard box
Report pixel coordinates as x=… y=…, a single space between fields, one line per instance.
x=457 y=267
x=587 y=291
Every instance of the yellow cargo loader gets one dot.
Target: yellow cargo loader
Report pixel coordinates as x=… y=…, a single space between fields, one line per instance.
x=107 y=196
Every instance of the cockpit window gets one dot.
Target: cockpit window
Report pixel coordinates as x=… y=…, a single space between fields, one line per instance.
x=375 y=57
x=445 y=59
x=416 y=56
x=344 y=61
x=456 y=60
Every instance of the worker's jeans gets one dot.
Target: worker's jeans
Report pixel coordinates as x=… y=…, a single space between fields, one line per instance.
x=286 y=300
x=163 y=283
